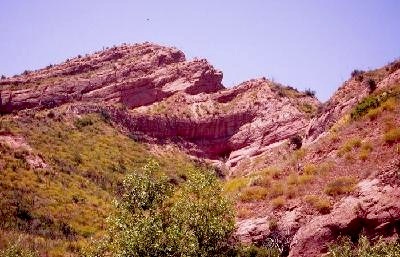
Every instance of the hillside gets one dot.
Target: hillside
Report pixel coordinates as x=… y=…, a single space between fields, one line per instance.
x=301 y=172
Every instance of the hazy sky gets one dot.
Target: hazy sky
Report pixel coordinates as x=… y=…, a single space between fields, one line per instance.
x=305 y=44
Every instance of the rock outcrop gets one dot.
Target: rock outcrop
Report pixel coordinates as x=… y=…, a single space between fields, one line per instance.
x=158 y=95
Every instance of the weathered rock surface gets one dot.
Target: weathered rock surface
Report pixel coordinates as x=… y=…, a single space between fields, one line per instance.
x=163 y=97
x=374 y=211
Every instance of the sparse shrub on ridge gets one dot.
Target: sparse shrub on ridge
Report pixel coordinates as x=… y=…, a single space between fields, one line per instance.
x=309 y=92
x=357 y=74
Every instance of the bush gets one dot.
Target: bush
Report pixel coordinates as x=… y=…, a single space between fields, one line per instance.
x=364 y=106
x=296 y=141
x=152 y=219
x=322 y=205
x=345 y=248
x=83 y=122
x=3 y=77
x=254 y=251
x=278 y=202
x=341 y=185
x=309 y=92
x=371 y=84
x=16 y=250
x=392 y=136
x=254 y=193
x=358 y=74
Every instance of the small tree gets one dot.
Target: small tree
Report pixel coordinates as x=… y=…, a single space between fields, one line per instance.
x=153 y=219
x=371 y=84
x=310 y=92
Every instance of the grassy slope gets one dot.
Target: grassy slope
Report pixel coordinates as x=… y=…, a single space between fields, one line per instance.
x=57 y=209
x=320 y=174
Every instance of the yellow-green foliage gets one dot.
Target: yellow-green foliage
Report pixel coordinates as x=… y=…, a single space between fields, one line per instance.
x=366 y=149
x=277 y=189
x=69 y=200
x=349 y=145
x=392 y=136
x=322 y=205
x=271 y=171
x=254 y=193
x=341 y=185
x=278 y=202
x=387 y=101
x=261 y=180
x=310 y=169
x=235 y=185
x=364 y=248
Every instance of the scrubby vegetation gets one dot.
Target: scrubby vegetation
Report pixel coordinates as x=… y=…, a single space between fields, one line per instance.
x=154 y=219
x=59 y=207
x=376 y=103
x=364 y=248
x=341 y=185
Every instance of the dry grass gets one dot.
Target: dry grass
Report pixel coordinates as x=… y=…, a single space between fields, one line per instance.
x=341 y=185
x=392 y=136
x=322 y=205
x=254 y=193
x=278 y=202
x=66 y=204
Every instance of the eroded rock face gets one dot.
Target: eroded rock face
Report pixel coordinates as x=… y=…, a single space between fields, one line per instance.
x=159 y=96
x=374 y=211
x=129 y=75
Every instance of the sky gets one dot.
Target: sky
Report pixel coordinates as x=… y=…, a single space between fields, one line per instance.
x=303 y=43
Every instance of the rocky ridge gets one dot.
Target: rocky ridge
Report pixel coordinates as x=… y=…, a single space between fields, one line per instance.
x=157 y=96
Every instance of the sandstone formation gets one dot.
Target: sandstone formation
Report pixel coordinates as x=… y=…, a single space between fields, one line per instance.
x=157 y=96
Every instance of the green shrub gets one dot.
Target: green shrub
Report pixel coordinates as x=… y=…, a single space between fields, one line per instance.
x=254 y=251
x=83 y=122
x=364 y=106
x=16 y=250
x=152 y=219
x=345 y=248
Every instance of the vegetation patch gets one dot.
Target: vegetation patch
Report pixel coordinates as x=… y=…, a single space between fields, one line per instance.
x=341 y=185
x=322 y=205
x=387 y=100
x=346 y=248
x=392 y=136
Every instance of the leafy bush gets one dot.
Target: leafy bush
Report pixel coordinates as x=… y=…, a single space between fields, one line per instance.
x=254 y=251
x=358 y=74
x=371 y=85
x=364 y=106
x=341 y=185
x=152 y=219
x=83 y=122
x=392 y=136
x=16 y=250
x=310 y=92
x=296 y=141
x=345 y=248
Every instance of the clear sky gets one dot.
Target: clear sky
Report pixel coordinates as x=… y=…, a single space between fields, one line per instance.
x=303 y=43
